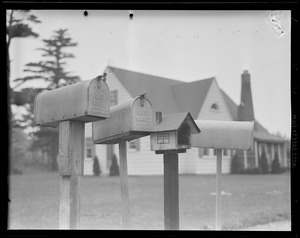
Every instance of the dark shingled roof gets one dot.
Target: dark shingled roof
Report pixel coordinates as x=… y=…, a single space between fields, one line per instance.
x=174 y=96
x=157 y=88
x=190 y=96
x=261 y=134
x=173 y=121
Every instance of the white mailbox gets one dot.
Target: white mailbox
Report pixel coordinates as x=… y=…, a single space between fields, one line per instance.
x=130 y=120
x=85 y=101
x=234 y=135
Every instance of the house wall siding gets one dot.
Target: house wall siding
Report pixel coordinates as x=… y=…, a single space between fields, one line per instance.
x=214 y=95
x=145 y=161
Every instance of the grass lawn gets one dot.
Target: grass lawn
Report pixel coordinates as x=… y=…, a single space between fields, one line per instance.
x=248 y=200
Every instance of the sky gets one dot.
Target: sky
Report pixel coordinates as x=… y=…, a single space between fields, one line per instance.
x=181 y=45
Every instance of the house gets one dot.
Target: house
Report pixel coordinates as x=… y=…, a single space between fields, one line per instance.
x=205 y=100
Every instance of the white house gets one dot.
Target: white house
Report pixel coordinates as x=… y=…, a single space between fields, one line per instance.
x=204 y=100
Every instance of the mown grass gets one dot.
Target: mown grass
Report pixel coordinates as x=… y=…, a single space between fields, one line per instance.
x=249 y=200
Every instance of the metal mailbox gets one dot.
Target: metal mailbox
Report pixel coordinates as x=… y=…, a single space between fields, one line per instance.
x=128 y=121
x=173 y=132
x=234 y=135
x=84 y=101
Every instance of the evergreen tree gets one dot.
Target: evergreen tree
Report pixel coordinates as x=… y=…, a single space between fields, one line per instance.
x=264 y=166
x=96 y=167
x=275 y=168
x=17 y=26
x=237 y=166
x=114 y=168
x=50 y=69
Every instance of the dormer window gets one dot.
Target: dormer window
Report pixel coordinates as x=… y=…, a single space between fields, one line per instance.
x=214 y=106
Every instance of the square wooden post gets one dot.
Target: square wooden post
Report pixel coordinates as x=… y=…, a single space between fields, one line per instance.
x=71 y=155
x=171 y=191
x=124 y=185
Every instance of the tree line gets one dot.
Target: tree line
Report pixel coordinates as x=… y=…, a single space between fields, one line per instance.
x=50 y=69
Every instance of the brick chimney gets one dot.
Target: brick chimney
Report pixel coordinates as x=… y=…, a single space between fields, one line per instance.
x=245 y=109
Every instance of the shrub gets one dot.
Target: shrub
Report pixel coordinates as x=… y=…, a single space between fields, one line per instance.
x=254 y=170
x=264 y=166
x=96 y=167
x=237 y=166
x=114 y=168
x=276 y=168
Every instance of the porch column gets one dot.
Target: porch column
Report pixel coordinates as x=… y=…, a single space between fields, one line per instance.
x=272 y=150
x=279 y=153
x=256 y=153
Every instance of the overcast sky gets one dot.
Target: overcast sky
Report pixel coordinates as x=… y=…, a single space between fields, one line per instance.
x=182 y=45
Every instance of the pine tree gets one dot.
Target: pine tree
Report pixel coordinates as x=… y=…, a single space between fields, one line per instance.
x=96 y=167
x=264 y=165
x=50 y=69
x=114 y=168
x=275 y=168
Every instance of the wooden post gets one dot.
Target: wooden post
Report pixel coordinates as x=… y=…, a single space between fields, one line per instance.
x=218 y=190
x=124 y=185
x=256 y=154
x=171 y=191
x=245 y=160
x=71 y=154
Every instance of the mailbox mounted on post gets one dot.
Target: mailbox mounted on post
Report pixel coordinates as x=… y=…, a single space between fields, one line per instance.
x=232 y=135
x=172 y=132
x=128 y=121
x=84 y=101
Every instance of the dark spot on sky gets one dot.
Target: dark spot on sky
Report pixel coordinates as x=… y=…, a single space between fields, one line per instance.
x=85 y=13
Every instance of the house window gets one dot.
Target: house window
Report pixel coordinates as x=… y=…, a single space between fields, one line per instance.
x=163 y=138
x=206 y=151
x=89 y=145
x=225 y=152
x=214 y=106
x=134 y=145
x=113 y=97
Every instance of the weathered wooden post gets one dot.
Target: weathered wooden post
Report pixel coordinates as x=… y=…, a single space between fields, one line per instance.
x=221 y=135
x=128 y=121
x=69 y=108
x=172 y=135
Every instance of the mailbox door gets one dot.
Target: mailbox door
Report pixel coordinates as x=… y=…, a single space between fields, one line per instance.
x=142 y=115
x=98 y=99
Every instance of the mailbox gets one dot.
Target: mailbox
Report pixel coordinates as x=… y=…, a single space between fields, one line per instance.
x=234 y=135
x=128 y=121
x=173 y=132
x=84 y=101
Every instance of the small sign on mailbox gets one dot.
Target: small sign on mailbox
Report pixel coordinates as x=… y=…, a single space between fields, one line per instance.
x=128 y=121
x=84 y=101
x=173 y=132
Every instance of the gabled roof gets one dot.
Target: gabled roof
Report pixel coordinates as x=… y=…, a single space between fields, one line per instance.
x=157 y=88
x=174 y=121
x=173 y=96
x=190 y=96
x=232 y=107
x=261 y=134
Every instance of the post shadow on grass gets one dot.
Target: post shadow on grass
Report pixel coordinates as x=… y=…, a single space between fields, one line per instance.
x=114 y=167
x=96 y=167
